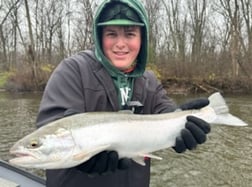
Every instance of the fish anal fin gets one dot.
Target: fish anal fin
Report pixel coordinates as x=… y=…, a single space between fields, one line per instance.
x=87 y=154
x=150 y=156
x=141 y=157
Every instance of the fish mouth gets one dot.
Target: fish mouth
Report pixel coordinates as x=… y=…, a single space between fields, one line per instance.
x=18 y=153
x=21 y=154
x=21 y=157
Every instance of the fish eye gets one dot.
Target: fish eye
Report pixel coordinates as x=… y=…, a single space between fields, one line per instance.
x=34 y=144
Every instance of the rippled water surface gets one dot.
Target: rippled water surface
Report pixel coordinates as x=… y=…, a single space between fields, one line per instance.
x=225 y=160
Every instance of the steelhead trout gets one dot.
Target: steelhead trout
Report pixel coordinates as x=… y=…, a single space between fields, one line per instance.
x=72 y=140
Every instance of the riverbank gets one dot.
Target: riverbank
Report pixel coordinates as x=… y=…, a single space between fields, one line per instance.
x=180 y=86
x=23 y=81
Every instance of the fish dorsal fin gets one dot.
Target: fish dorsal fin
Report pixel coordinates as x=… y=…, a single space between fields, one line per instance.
x=87 y=154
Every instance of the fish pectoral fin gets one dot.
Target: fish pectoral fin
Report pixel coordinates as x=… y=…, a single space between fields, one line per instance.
x=87 y=154
x=140 y=158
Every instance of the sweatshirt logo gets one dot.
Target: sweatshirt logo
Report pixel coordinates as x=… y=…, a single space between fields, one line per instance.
x=125 y=95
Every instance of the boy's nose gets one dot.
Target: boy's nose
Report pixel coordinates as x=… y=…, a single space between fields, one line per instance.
x=120 y=43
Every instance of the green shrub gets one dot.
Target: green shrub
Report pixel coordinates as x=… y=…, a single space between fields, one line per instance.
x=4 y=76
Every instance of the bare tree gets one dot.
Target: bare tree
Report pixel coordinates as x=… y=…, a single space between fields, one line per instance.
x=14 y=33
x=3 y=38
x=31 y=51
x=83 y=31
x=197 y=11
x=177 y=24
x=176 y=37
x=31 y=47
x=231 y=12
x=153 y=10
x=246 y=6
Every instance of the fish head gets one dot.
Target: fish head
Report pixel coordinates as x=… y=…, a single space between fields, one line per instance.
x=43 y=149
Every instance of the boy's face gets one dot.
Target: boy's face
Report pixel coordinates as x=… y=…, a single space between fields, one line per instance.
x=121 y=45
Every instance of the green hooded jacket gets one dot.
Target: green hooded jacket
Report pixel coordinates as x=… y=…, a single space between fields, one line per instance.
x=123 y=82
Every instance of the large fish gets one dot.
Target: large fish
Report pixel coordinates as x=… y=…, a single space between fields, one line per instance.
x=72 y=140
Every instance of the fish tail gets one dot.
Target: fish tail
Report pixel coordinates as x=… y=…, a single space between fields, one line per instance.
x=218 y=104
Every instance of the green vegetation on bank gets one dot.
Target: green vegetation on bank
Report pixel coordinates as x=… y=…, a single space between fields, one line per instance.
x=26 y=78
x=4 y=76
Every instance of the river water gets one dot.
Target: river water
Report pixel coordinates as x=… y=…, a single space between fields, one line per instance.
x=224 y=160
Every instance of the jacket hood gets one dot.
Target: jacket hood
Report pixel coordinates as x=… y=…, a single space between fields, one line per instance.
x=143 y=54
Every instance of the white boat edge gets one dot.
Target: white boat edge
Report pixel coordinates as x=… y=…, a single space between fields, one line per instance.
x=17 y=177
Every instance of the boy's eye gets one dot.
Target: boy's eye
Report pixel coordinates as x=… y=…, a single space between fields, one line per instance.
x=131 y=34
x=110 y=34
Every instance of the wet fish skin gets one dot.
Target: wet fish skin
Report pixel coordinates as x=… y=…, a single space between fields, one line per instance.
x=72 y=140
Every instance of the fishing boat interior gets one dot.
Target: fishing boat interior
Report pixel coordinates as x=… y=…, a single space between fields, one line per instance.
x=12 y=176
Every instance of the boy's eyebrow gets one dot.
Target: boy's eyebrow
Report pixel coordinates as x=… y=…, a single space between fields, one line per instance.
x=130 y=29
x=108 y=29
x=125 y=28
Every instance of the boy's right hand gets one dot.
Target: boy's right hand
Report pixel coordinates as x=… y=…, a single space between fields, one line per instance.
x=104 y=162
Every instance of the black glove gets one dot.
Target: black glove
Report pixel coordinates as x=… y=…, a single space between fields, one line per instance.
x=195 y=129
x=104 y=162
x=195 y=104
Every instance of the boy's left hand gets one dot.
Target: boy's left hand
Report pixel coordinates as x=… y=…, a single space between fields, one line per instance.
x=195 y=129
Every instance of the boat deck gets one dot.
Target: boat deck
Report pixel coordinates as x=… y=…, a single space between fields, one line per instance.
x=11 y=176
